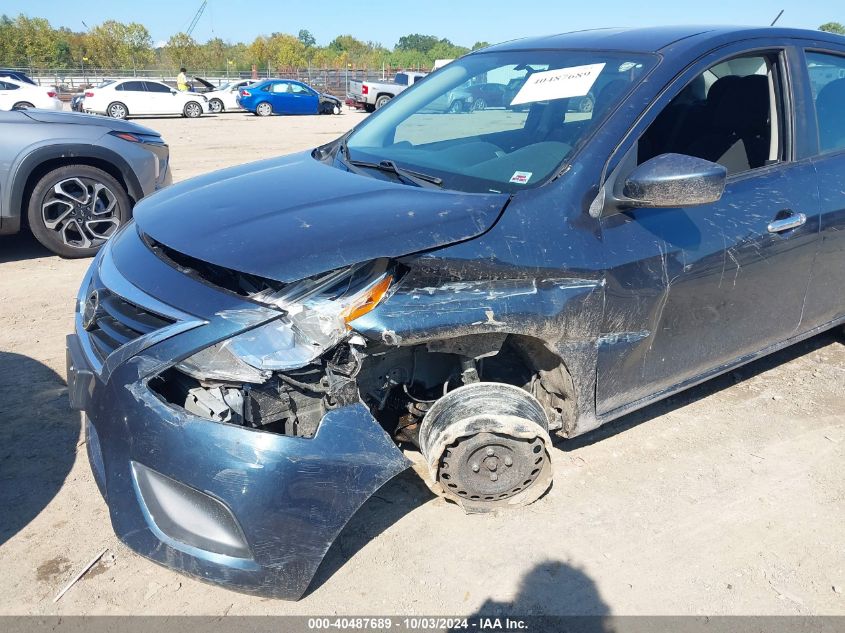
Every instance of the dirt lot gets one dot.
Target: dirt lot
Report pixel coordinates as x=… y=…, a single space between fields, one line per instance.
x=729 y=499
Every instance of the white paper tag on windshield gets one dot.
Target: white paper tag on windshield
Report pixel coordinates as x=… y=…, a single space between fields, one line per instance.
x=521 y=177
x=560 y=83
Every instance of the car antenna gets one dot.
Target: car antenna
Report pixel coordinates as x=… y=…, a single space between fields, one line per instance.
x=777 y=18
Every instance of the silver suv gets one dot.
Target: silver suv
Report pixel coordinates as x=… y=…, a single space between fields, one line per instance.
x=73 y=179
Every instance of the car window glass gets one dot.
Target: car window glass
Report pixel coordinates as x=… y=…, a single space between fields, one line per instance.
x=135 y=86
x=502 y=121
x=8 y=86
x=156 y=87
x=725 y=115
x=488 y=100
x=282 y=86
x=827 y=81
x=299 y=89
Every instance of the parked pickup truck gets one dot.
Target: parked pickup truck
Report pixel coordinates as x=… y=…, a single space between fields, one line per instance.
x=371 y=95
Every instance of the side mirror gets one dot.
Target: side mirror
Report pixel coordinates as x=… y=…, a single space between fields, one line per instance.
x=174 y=92
x=673 y=180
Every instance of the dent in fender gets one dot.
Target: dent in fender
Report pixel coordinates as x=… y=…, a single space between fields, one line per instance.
x=307 y=491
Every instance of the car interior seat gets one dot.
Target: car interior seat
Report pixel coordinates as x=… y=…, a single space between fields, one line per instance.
x=738 y=134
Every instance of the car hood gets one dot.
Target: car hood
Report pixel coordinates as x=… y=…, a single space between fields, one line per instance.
x=205 y=84
x=292 y=217
x=50 y=116
x=328 y=97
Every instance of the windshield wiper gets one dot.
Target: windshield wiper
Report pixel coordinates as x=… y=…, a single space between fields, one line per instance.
x=415 y=177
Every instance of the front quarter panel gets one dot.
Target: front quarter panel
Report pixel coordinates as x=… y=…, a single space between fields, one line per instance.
x=291 y=496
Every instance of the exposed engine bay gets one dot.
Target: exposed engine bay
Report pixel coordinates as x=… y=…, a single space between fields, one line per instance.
x=478 y=407
x=399 y=385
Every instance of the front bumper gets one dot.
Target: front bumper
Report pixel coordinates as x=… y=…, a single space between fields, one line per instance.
x=251 y=510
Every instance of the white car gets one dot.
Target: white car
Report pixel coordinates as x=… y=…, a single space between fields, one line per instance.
x=134 y=97
x=16 y=95
x=225 y=98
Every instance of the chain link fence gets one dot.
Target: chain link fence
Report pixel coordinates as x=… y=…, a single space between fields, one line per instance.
x=331 y=80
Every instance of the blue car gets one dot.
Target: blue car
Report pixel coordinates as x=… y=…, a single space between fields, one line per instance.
x=286 y=96
x=252 y=352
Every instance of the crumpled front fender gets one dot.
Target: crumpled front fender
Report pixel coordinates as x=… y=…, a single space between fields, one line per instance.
x=281 y=500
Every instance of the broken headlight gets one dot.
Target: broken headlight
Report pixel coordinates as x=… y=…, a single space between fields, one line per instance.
x=316 y=313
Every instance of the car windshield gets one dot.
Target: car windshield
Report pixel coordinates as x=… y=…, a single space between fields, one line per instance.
x=498 y=121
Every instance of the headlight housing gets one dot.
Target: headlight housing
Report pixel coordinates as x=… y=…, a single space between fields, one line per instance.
x=315 y=317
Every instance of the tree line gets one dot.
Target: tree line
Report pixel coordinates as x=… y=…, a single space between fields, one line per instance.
x=27 y=42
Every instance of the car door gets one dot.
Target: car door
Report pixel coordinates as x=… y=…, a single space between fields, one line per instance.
x=8 y=97
x=230 y=96
x=134 y=96
x=281 y=98
x=161 y=98
x=303 y=99
x=824 y=70
x=691 y=291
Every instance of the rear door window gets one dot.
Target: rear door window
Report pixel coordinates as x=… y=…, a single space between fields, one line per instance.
x=827 y=81
x=156 y=87
x=132 y=86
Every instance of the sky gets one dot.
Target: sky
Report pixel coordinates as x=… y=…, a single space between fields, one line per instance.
x=385 y=21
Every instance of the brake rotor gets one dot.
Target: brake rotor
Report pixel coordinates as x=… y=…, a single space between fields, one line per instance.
x=489 y=467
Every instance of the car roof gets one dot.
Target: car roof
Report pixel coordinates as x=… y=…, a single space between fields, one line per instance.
x=657 y=38
x=17 y=82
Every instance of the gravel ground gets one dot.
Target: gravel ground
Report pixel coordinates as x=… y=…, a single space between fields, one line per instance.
x=727 y=499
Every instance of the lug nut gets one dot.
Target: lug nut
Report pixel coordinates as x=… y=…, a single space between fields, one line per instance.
x=508 y=461
x=475 y=468
x=489 y=452
x=493 y=476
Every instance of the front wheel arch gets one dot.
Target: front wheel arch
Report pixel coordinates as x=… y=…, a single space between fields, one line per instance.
x=73 y=172
x=44 y=160
x=197 y=108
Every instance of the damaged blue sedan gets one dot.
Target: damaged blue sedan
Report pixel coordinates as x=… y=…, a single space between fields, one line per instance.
x=252 y=352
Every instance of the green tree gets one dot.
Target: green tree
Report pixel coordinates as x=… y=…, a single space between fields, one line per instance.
x=481 y=44
x=32 y=41
x=182 y=50
x=8 y=44
x=417 y=42
x=307 y=38
x=114 y=44
x=444 y=49
x=259 y=51
x=214 y=54
x=287 y=51
x=833 y=27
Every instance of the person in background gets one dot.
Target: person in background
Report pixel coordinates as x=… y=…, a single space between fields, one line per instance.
x=182 y=80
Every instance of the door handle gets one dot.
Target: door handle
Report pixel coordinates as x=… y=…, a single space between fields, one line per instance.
x=785 y=224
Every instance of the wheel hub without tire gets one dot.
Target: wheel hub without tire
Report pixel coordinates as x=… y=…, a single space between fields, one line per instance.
x=491 y=467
